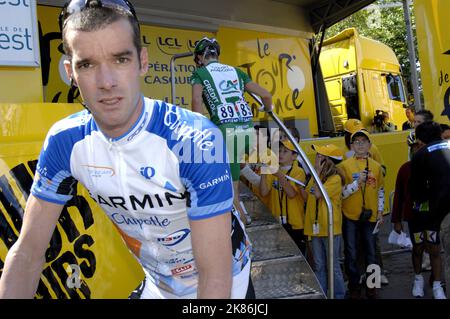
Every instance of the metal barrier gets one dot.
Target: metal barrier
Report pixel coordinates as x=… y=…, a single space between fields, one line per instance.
x=172 y=71
x=322 y=189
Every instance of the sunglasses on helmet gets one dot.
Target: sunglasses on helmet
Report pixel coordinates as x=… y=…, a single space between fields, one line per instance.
x=76 y=6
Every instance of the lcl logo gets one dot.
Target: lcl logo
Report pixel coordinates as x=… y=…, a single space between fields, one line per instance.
x=171 y=42
x=168 y=45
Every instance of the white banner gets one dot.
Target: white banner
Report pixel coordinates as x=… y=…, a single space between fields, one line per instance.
x=18 y=33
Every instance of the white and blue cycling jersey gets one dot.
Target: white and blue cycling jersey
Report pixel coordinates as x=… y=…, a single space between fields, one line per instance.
x=168 y=169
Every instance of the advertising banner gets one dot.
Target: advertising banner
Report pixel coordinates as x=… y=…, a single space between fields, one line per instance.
x=434 y=53
x=18 y=34
x=86 y=257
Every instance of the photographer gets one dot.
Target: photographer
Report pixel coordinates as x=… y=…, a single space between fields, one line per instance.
x=381 y=123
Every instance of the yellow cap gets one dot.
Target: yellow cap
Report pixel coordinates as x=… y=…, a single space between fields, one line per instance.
x=363 y=131
x=329 y=150
x=288 y=144
x=353 y=125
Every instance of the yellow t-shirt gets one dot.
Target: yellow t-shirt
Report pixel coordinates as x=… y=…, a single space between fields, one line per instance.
x=280 y=204
x=352 y=205
x=375 y=154
x=333 y=187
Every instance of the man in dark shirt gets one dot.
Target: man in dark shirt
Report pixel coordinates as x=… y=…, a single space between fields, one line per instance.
x=430 y=176
x=423 y=228
x=409 y=124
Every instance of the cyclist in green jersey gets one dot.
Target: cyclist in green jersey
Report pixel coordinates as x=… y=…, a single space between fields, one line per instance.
x=221 y=87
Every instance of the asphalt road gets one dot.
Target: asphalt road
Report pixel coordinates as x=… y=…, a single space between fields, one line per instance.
x=398 y=265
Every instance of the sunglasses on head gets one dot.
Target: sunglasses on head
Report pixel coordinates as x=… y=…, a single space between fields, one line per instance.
x=76 y=6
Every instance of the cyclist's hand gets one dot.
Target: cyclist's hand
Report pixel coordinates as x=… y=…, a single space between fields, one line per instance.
x=263 y=108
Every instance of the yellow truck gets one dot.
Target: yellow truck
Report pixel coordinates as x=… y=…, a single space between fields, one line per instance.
x=434 y=54
x=363 y=78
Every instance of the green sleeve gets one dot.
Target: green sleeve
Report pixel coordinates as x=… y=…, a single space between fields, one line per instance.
x=195 y=78
x=244 y=76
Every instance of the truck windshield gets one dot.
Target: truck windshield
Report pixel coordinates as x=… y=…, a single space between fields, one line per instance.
x=395 y=88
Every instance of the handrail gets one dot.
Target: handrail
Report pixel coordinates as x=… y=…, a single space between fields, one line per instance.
x=322 y=189
x=172 y=72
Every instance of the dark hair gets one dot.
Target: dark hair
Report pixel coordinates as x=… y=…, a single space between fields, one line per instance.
x=427 y=115
x=329 y=169
x=444 y=127
x=428 y=132
x=208 y=48
x=295 y=133
x=347 y=136
x=96 y=18
x=210 y=54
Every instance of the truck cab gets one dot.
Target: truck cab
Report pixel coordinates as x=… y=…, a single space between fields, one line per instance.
x=363 y=78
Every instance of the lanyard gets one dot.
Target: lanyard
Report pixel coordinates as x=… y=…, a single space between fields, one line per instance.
x=317 y=211
x=282 y=194
x=363 y=191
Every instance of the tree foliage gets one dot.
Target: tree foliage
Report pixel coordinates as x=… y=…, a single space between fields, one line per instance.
x=382 y=22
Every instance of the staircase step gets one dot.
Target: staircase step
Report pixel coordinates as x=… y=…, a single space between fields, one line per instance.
x=271 y=241
x=279 y=269
x=289 y=277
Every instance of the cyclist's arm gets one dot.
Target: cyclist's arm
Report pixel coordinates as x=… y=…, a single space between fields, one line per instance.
x=266 y=97
x=211 y=244
x=264 y=189
x=25 y=260
x=197 y=98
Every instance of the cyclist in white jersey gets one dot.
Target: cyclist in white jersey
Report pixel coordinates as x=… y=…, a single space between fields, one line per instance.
x=159 y=172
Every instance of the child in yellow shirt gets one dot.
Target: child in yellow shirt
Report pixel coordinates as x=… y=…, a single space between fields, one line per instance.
x=362 y=207
x=316 y=219
x=285 y=203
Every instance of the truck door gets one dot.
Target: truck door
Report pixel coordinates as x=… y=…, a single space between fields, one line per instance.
x=350 y=93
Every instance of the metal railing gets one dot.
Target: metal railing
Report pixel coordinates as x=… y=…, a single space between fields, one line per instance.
x=322 y=190
x=172 y=71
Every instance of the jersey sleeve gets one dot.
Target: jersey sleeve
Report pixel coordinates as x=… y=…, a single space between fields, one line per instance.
x=207 y=179
x=244 y=76
x=53 y=181
x=195 y=78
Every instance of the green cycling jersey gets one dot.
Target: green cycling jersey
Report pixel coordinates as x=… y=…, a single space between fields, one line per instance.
x=223 y=93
